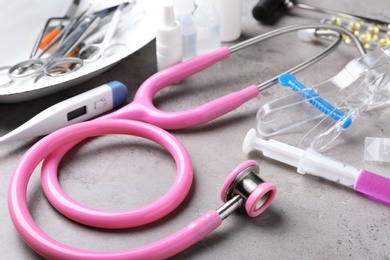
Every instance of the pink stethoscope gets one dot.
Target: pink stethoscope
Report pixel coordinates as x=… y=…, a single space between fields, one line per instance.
x=140 y=118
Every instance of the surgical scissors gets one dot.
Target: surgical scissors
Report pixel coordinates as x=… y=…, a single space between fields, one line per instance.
x=58 y=64
x=139 y=118
x=105 y=48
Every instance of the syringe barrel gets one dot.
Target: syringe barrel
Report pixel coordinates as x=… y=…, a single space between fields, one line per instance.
x=319 y=165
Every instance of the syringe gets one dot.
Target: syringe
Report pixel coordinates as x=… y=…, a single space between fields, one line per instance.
x=311 y=162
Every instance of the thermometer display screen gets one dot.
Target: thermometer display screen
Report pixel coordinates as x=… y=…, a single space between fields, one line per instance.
x=77 y=112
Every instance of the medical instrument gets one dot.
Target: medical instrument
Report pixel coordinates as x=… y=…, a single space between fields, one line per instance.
x=140 y=118
x=311 y=162
x=242 y=187
x=377 y=149
x=229 y=12
x=82 y=107
x=373 y=33
x=289 y=80
x=363 y=84
x=34 y=64
x=105 y=49
x=58 y=64
x=43 y=39
x=169 y=49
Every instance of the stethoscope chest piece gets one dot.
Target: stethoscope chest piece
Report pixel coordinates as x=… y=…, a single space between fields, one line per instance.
x=245 y=186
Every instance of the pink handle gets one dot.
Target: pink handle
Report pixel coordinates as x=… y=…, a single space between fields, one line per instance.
x=373 y=185
x=142 y=107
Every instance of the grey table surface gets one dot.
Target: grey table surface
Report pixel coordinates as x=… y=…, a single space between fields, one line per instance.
x=310 y=218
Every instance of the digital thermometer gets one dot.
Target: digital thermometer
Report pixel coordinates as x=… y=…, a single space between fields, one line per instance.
x=73 y=110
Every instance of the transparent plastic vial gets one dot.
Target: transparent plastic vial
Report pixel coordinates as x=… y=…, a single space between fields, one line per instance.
x=183 y=11
x=206 y=20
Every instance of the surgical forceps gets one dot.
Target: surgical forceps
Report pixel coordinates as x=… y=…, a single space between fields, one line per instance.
x=56 y=64
x=57 y=33
x=140 y=118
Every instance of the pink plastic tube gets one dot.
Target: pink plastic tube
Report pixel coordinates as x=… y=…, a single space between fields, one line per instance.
x=49 y=248
x=143 y=109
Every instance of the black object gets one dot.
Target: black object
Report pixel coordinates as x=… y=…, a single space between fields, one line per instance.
x=265 y=9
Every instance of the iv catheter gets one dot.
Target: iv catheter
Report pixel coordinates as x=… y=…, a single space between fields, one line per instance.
x=311 y=162
x=313 y=98
x=362 y=85
x=139 y=118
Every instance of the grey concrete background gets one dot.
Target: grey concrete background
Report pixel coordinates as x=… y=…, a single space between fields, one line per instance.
x=309 y=219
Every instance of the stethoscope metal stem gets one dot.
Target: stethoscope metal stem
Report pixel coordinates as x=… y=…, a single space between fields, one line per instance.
x=292 y=28
x=337 y=13
x=229 y=207
x=334 y=28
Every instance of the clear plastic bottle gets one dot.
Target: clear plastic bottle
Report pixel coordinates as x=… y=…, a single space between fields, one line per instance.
x=206 y=20
x=183 y=11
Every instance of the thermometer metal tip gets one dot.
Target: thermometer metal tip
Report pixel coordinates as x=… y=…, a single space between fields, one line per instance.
x=77 y=109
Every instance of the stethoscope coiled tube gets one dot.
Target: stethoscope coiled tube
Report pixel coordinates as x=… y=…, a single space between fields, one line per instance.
x=243 y=187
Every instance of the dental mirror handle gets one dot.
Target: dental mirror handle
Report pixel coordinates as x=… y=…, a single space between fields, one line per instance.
x=80 y=108
x=311 y=162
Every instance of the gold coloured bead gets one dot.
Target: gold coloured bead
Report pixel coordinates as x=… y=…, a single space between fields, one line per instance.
x=374 y=30
x=366 y=38
x=346 y=39
x=384 y=42
x=355 y=26
x=336 y=21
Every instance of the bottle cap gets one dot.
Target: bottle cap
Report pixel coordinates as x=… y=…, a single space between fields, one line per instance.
x=168 y=31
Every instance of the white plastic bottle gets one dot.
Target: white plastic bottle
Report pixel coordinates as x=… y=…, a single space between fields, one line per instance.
x=183 y=11
x=230 y=19
x=169 y=50
x=206 y=20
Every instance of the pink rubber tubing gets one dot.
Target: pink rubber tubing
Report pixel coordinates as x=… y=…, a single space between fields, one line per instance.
x=54 y=146
x=143 y=109
x=52 y=249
